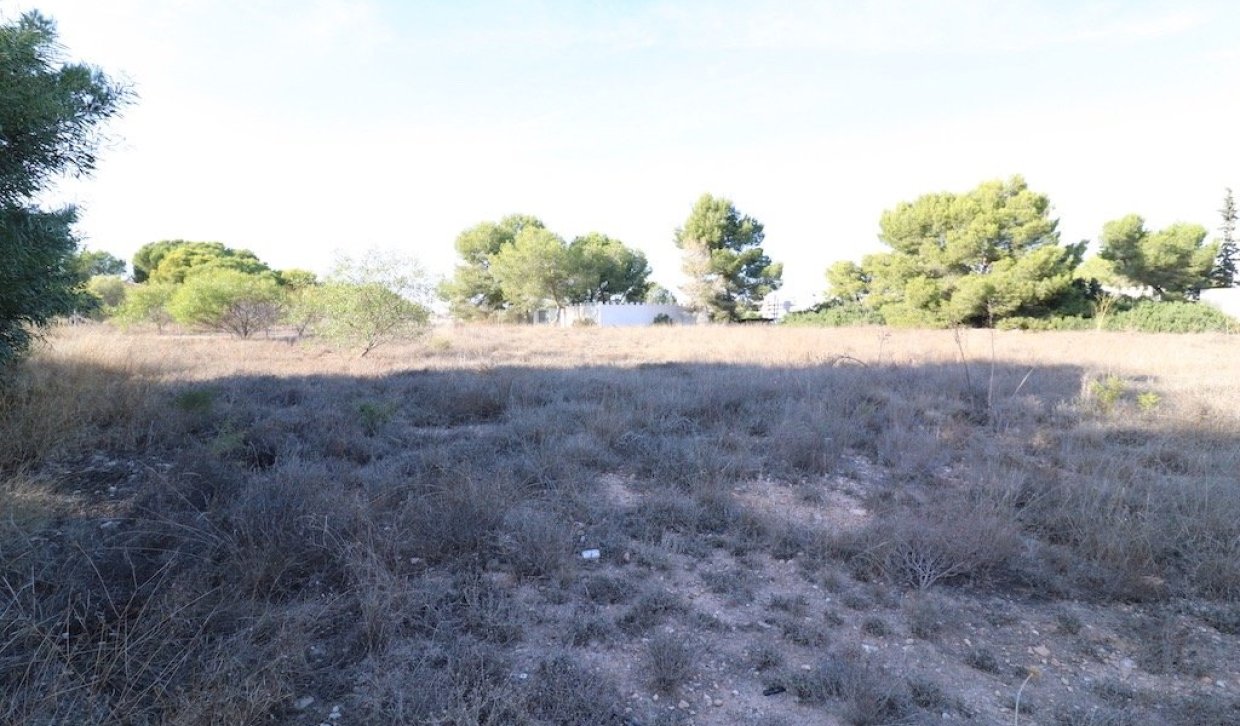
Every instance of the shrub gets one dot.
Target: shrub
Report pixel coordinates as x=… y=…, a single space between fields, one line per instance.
x=109 y=290
x=662 y=319
x=147 y=303
x=1150 y=316
x=670 y=660
x=836 y=315
x=228 y=301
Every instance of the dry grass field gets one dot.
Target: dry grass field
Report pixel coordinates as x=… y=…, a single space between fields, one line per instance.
x=793 y=526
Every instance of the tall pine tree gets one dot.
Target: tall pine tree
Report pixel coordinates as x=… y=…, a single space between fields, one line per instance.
x=1224 y=274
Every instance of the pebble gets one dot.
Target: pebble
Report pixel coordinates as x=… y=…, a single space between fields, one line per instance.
x=683 y=704
x=303 y=703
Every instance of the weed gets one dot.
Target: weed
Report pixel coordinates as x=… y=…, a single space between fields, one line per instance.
x=876 y=627
x=651 y=609
x=1106 y=392
x=670 y=661
x=195 y=400
x=983 y=659
x=374 y=415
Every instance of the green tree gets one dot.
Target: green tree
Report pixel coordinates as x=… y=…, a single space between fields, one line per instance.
x=473 y=293
x=536 y=268
x=93 y=263
x=149 y=255
x=1173 y=262
x=729 y=274
x=175 y=261
x=1228 y=257
x=970 y=259
x=374 y=299
x=109 y=290
x=296 y=279
x=229 y=301
x=609 y=270
x=147 y=303
x=659 y=295
x=847 y=281
x=51 y=112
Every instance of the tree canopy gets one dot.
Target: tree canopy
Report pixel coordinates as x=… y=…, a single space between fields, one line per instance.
x=51 y=113
x=728 y=271
x=969 y=259
x=517 y=265
x=174 y=260
x=474 y=293
x=1174 y=262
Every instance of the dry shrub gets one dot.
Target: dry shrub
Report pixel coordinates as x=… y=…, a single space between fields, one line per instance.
x=670 y=662
x=943 y=542
x=62 y=402
x=563 y=691
x=537 y=542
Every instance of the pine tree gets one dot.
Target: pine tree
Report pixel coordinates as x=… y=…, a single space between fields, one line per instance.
x=1224 y=274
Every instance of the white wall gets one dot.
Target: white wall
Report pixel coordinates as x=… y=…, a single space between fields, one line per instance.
x=613 y=315
x=1226 y=299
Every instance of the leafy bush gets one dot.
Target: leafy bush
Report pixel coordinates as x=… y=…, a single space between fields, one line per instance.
x=109 y=290
x=147 y=303
x=229 y=301
x=836 y=315
x=1171 y=317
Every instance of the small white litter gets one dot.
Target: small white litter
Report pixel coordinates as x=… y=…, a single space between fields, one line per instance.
x=590 y=554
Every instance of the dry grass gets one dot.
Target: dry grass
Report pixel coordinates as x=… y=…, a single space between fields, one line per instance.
x=196 y=529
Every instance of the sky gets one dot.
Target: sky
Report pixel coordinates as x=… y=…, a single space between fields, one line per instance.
x=302 y=128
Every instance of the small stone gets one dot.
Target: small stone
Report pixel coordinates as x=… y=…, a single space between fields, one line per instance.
x=1043 y=651
x=718 y=702
x=683 y=704
x=708 y=699
x=303 y=703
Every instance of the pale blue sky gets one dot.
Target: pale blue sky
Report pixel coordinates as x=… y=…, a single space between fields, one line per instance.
x=295 y=128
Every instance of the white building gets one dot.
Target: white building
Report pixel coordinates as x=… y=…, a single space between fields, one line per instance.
x=1226 y=299
x=613 y=315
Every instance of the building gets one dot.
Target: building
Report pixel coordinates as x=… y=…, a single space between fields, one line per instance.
x=611 y=315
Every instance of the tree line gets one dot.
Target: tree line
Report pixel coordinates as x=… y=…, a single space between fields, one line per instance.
x=993 y=255
x=989 y=256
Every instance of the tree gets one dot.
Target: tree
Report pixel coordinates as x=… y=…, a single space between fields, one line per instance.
x=967 y=259
x=51 y=113
x=538 y=267
x=1228 y=257
x=374 y=299
x=109 y=290
x=847 y=281
x=147 y=303
x=1173 y=262
x=474 y=293
x=228 y=301
x=610 y=271
x=93 y=263
x=176 y=261
x=659 y=295
x=729 y=274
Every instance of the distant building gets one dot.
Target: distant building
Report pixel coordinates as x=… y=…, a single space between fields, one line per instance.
x=1225 y=299
x=612 y=315
x=774 y=307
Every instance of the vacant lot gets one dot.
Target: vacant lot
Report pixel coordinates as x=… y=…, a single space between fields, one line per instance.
x=792 y=526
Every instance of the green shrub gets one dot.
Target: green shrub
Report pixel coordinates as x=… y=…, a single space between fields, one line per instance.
x=1171 y=317
x=1060 y=322
x=147 y=303
x=836 y=315
x=229 y=301
x=662 y=319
